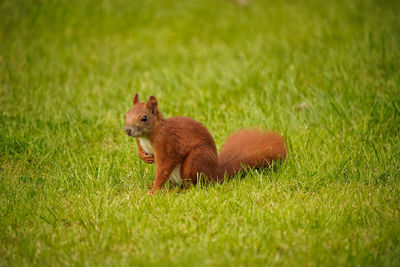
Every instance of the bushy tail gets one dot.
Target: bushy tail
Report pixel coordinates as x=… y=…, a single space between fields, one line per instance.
x=250 y=148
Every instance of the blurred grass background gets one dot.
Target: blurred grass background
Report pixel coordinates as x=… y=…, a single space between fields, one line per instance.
x=326 y=74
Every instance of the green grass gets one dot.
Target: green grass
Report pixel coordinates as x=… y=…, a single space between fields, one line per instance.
x=74 y=192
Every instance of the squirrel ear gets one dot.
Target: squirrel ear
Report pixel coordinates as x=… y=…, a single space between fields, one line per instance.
x=152 y=104
x=136 y=99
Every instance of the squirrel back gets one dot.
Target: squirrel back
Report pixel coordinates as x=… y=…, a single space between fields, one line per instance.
x=179 y=136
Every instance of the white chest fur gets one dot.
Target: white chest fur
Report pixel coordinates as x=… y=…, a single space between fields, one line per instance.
x=146 y=145
x=175 y=176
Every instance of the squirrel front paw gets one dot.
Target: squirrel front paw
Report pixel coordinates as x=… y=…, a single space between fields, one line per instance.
x=147 y=158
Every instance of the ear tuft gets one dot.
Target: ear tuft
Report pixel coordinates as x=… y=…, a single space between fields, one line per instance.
x=136 y=99
x=152 y=104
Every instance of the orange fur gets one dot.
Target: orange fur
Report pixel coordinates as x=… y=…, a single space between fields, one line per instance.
x=251 y=148
x=184 y=142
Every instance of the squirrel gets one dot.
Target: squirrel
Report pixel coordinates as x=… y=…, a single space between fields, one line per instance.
x=183 y=150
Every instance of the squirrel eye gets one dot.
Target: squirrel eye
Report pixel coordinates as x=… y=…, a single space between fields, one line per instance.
x=144 y=118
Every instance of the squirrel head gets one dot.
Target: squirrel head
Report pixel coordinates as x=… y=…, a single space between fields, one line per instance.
x=142 y=118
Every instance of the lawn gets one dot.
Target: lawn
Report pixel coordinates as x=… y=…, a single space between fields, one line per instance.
x=325 y=74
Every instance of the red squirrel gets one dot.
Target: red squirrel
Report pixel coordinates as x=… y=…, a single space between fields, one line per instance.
x=183 y=149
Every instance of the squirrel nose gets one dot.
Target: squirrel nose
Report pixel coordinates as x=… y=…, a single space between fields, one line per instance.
x=128 y=131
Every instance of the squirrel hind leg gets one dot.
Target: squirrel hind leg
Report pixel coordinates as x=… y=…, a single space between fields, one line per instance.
x=199 y=163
